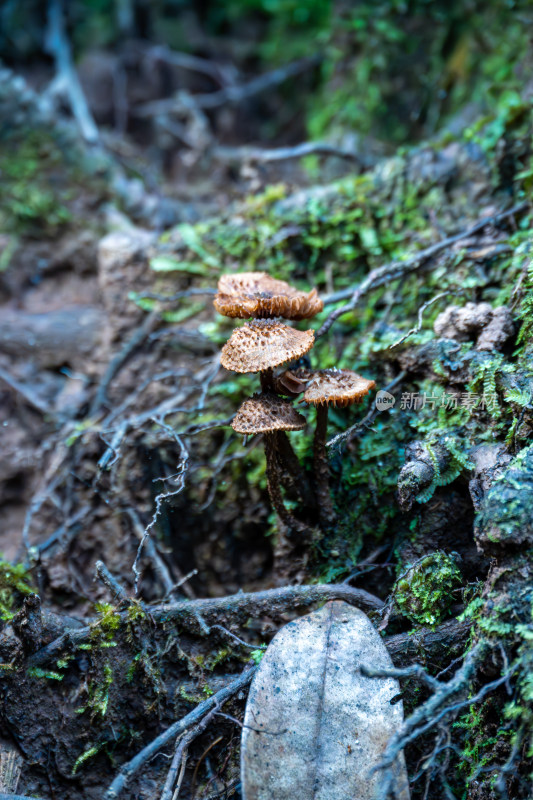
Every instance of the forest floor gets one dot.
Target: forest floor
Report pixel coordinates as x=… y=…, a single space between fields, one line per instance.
x=143 y=567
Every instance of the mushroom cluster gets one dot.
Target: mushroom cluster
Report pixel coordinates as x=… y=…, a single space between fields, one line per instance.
x=263 y=344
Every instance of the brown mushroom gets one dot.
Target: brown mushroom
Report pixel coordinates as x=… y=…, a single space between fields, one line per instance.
x=264 y=413
x=261 y=345
x=270 y=415
x=329 y=387
x=256 y=294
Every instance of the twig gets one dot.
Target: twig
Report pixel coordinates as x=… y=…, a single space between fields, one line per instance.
x=117 y=591
x=397 y=269
x=183 y=582
x=266 y=156
x=51 y=480
x=187 y=61
x=509 y=765
x=414 y=671
x=236 y=638
x=179 y=477
x=433 y=710
x=26 y=393
x=217 y=700
x=171 y=298
x=367 y=420
x=58 y=46
x=60 y=533
x=16 y=797
x=180 y=757
x=151 y=551
x=232 y=95
x=421 y=312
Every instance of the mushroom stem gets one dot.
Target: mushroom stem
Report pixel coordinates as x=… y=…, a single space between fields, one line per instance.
x=274 y=488
x=267 y=380
x=292 y=468
x=326 y=511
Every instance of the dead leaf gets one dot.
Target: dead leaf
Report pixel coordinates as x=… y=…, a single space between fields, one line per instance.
x=314 y=725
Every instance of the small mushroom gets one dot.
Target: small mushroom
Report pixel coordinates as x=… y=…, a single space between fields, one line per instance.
x=256 y=294
x=261 y=345
x=329 y=387
x=270 y=415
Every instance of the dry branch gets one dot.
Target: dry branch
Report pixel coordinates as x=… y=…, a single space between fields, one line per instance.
x=436 y=708
x=217 y=700
x=235 y=607
x=180 y=757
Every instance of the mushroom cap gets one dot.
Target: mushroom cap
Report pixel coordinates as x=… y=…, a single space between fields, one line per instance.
x=264 y=413
x=334 y=387
x=264 y=343
x=256 y=294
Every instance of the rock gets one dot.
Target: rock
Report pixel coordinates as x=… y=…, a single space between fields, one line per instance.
x=491 y=327
x=314 y=726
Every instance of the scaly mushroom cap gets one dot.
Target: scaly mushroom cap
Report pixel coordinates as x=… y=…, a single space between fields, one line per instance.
x=262 y=344
x=264 y=413
x=334 y=387
x=256 y=294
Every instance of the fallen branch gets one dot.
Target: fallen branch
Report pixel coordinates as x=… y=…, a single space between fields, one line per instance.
x=215 y=701
x=236 y=607
x=397 y=269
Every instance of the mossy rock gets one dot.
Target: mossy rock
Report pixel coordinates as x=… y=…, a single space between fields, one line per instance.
x=506 y=516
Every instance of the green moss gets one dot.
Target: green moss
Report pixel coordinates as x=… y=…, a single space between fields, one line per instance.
x=15 y=583
x=37 y=672
x=98 y=693
x=479 y=750
x=86 y=756
x=506 y=514
x=106 y=626
x=34 y=194
x=424 y=591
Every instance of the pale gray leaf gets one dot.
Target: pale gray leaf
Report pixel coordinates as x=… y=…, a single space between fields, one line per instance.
x=314 y=725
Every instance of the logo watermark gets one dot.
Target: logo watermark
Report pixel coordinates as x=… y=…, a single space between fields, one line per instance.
x=385 y=400
x=416 y=401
